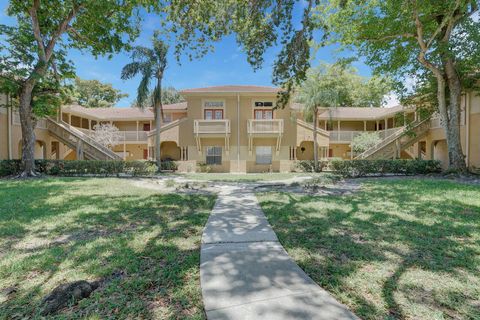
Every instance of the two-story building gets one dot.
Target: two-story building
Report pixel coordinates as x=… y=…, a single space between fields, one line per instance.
x=239 y=129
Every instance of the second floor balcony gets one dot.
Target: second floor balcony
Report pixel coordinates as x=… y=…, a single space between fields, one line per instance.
x=347 y=136
x=218 y=127
x=265 y=127
x=124 y=136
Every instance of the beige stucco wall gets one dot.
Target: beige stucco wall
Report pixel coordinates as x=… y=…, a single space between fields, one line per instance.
x=3 y=131
x=135 y=151
x=340 y=151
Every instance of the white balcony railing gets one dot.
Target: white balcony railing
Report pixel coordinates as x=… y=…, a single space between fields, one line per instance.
x=125 y=136
x=264 y=126
x=348 y=136
x=211 y=126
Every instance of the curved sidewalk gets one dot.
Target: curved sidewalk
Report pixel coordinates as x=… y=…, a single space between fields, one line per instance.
x=245 y=272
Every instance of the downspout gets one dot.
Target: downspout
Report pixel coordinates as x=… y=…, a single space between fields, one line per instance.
x=9 y=127
x=468 y=101
x=238 y=132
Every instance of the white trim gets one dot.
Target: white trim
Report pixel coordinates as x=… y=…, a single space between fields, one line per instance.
x=224 y=108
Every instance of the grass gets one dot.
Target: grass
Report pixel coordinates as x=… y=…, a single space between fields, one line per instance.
x=398 y=249
x=54 y=231
x=247 y=177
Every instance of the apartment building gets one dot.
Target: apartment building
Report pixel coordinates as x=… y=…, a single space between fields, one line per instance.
x=239 y=129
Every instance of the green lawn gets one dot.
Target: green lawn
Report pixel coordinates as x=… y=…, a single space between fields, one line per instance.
x=248 y=177
x=54 y=231
x=398 y=249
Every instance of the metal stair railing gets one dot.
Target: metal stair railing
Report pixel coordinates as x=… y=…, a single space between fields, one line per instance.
x=391 y=139
x=76 y=139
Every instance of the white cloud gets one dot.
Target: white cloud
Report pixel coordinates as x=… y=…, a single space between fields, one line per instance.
x=391 y=100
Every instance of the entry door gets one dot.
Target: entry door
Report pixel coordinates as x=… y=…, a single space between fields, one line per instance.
x=263 y=114
x=145 y=154
x=146 y=127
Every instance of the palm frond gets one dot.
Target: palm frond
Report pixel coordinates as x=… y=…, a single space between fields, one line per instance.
x=143 y=90
x=131 y=70
x=140 y=53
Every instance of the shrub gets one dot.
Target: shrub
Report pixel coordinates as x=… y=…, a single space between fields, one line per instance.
x=86 y=167
x=361 y=168
x=203 y=167
x=169 y=165
x=309 y=165
x=365 y=141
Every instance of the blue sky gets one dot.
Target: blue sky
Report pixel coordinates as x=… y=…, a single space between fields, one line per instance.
x=226 y=65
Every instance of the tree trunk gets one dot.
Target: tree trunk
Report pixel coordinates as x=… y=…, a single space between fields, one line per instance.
x=315 y=143
x=28 y=129
x=456 y=158
x=158 y=124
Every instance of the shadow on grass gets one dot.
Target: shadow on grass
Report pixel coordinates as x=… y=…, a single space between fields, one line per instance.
x=149 y=241
x=400 y=226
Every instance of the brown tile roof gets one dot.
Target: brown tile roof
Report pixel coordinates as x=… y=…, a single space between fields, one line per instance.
x=120 y=113
x=233 y=88
x=355 y=113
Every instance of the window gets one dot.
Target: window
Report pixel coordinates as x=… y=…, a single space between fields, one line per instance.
x=167 y=118
x=214 y=155
x=213 y=114
x=263 y=155
x=263 y=104
x=213 y=104
x=263 y=114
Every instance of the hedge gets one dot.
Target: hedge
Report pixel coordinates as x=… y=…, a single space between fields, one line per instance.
x=362 y=168
x=90 y=167
x=309 y=165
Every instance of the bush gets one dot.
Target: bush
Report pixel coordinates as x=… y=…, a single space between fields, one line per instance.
x=169 y=165
x=309 y=165
x=86 y=167
x=203 y=167
x=361 y=168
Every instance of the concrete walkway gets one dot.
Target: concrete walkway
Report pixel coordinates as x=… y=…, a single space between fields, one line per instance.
x=246 y=273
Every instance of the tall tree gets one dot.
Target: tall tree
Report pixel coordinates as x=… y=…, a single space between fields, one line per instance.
x=150 y=63
x=170 y=95
x=338 y=85
x=413 y=38
x=314 y=94
x=44 y=31
x=95 y=94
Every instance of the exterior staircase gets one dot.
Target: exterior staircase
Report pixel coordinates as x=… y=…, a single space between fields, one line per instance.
x=85 y=147
x=309 y=126
x=392 y=146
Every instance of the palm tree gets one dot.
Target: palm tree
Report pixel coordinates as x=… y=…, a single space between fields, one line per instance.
x=314 y=93
x=150 y=63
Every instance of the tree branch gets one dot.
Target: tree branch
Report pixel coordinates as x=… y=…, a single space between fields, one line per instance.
x=449 y=19
x=423 y=47
x=36 y=30
x=61 y=29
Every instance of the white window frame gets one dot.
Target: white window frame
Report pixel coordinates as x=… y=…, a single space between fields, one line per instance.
x=168 y=117
x=263 y=155
x=215 y=152
x=223 y=107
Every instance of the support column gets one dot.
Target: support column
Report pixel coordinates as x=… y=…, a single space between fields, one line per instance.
x=364 y=125
x=338 y=125
x=386 y=123
x=89 y=124
x=124 y=150
x=404 y=119
x=9 y=128
x=137 y=131
x=377 y=125
x=70 y=119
